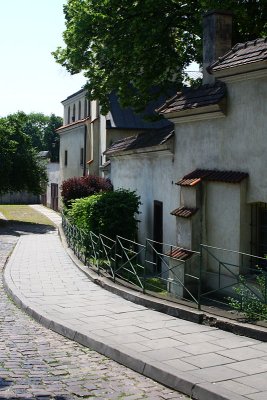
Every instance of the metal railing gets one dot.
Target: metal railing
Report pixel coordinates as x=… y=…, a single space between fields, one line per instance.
x=143 y=267
x=238 y=279
x=229 y=279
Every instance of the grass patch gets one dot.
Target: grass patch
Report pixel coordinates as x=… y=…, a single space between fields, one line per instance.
x=24 y=213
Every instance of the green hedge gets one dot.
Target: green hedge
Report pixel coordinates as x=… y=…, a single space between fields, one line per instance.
x=108 y=213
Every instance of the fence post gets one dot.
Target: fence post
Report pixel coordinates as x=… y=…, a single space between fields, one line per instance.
x=144 y=270
x=98 y=254
x=200 y=277
x=115 y=260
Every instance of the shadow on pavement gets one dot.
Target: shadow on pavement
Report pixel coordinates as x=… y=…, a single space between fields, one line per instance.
x=18 y=228
x=4 y=384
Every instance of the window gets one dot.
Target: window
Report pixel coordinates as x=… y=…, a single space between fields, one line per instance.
x=79 y=110
x=73 y=113
x=85 y=108
x=81 y=156
x=66 y=158
x=68 y=121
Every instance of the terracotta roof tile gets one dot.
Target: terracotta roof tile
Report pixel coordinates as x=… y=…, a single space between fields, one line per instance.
x=191 y=98
x=180 y=254
x=242 y=54
x=199 y=175
x=184 y=212
x=152 y=137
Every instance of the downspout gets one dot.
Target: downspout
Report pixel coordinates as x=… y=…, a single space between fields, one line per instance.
x=84 y=151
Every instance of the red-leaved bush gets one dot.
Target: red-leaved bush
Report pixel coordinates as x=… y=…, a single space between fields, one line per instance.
x=78 y=187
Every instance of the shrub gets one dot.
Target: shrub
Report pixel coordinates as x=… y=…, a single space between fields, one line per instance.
x=109 y=213
x=251 y=304
x=80 y=212
x=79 y=187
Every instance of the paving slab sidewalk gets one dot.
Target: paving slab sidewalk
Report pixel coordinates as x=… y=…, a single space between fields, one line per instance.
x=199 y=360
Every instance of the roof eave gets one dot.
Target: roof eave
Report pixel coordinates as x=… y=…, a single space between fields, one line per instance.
x=166 y=147
x=212 y=111
x=240 y=69
x=73 y=125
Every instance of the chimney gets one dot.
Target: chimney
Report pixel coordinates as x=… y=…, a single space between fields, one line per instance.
x=217 y=38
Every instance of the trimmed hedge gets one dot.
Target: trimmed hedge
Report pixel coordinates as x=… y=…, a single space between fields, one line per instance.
x=108 y=213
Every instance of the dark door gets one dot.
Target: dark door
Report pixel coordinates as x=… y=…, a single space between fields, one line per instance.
x=262 y=232
x=158 y=233
x=54 y=196
x=44 y=199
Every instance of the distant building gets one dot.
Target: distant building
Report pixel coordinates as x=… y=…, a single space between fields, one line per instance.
x=86 y=133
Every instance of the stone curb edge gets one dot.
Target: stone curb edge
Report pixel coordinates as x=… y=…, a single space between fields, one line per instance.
x=166 y=307
x=167 y=376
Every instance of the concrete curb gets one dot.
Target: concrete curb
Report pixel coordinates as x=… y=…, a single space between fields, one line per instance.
x=168 y=376
x=167 y=307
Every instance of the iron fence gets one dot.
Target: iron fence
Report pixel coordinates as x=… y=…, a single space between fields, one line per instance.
x=234 y=280
x=227 y=278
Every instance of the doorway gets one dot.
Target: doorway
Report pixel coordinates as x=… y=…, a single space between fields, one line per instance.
x=158 y=233
x=54 y=196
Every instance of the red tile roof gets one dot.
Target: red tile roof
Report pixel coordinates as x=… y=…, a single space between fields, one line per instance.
x=241 y=54
x=199 y=175
x=184 y=212
x=190 y=98
x=180 y=254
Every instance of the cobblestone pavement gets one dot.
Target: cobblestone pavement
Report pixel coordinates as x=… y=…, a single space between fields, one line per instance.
x=36 y=363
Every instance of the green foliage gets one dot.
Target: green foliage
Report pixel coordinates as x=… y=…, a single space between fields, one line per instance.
x=108 y=213
x=251 y=304
x=147 y=43
x=20 y=167
x=42 y=131
x=80 y=212
x=156 y=285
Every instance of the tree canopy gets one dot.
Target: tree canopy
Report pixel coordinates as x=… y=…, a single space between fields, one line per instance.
x=133 y=46
x=42 y=131
x=21 y=169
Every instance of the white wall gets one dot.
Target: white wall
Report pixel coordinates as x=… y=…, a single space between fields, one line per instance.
x=74 y=100
x=71 y=140
x=235 y=142
x=153 y=178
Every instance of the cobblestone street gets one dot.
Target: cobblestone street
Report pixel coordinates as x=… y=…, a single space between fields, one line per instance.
x=38 y=363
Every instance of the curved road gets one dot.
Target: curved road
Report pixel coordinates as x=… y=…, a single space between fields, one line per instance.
x=36 y=363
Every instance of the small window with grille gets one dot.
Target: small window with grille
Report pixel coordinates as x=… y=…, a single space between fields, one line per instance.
x=66 y=158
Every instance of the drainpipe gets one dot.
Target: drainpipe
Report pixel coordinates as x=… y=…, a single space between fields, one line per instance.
x=217 y=39
x=84 y=150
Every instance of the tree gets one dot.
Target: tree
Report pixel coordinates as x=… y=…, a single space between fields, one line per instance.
x=42 y=131
x=20 y=167
x=133 y=46
x=51 y=137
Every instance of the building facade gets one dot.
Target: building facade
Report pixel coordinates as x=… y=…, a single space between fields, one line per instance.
x=210 y=187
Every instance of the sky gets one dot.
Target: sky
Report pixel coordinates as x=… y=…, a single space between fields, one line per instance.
x=30 y=79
